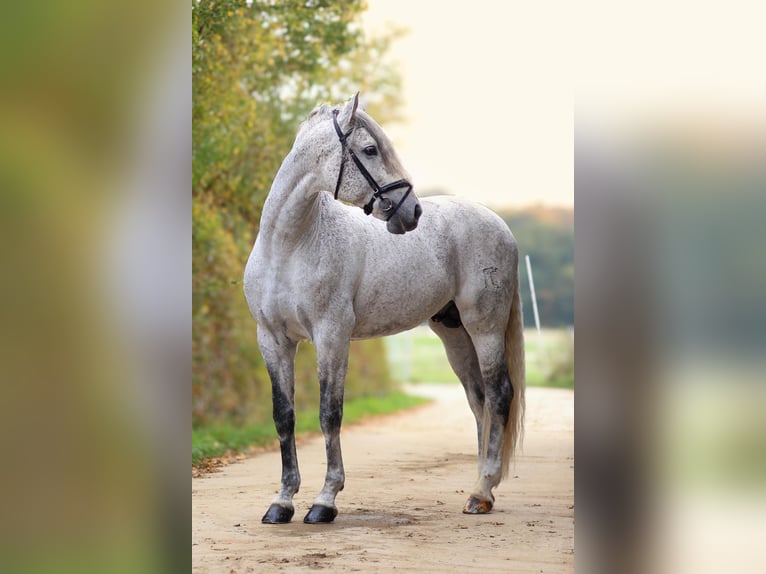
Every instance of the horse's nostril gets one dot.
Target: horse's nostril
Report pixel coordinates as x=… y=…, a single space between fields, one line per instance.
x=418 y=211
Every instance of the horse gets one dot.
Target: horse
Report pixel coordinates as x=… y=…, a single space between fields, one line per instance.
x=320 y=270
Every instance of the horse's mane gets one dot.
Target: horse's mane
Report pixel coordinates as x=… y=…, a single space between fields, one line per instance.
x=363 y=120
x=317 y=113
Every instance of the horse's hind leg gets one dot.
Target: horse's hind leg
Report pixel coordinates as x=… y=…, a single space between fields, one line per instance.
x=462 y=358
x=279 y=355
x=485 y=395
x=498 y=394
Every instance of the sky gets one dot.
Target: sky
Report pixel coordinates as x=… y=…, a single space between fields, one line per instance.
x=493 y=89
x=487 y=100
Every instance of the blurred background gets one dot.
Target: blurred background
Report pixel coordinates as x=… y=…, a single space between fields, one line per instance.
x=95 y=170
x=667 y=161
x=670 y=185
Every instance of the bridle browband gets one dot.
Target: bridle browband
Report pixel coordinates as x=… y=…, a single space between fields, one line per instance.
x=377 y=191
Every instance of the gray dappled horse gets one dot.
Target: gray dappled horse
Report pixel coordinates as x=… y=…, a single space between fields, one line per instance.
x=320 y=270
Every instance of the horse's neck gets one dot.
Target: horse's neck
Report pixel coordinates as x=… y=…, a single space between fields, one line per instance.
x=292 y=207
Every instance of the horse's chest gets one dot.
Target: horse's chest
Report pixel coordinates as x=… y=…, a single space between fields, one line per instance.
x=288 y=295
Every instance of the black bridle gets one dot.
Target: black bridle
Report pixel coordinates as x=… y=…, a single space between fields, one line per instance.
x=377 y=191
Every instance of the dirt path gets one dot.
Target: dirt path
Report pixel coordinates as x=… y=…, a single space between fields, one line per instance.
x=407 y=477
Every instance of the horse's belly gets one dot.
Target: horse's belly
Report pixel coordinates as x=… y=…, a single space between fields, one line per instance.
x=371 y=330
x=386 y=313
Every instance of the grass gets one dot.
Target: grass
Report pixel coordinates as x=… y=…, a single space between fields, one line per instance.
x=418 y=356
x=218 y=440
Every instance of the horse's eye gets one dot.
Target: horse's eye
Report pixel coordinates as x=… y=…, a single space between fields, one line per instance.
x=370 y=150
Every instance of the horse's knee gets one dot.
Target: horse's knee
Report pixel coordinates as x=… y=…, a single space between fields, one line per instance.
x=330 y=421
x=330 y=411
x=283 y=414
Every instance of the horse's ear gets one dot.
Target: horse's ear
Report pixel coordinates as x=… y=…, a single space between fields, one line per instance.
x=355 y=105
x=348 y=115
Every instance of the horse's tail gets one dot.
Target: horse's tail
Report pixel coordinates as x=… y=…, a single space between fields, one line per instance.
x=514 y=356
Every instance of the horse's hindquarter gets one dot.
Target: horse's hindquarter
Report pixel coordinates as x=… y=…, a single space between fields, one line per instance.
x=487 y=257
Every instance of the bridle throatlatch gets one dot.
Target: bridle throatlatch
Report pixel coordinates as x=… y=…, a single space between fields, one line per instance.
x=387 y=205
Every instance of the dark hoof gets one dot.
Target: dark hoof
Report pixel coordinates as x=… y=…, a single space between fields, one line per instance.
x=320 y=514
x=278 y=514
x=476 y=505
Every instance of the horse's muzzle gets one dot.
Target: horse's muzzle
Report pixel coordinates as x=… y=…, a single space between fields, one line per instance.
x=402 y=222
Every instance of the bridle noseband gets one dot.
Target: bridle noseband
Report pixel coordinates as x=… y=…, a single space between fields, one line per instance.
x=377 y=191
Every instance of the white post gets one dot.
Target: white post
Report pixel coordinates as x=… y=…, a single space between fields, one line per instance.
x=532 y=290
x=407 y=356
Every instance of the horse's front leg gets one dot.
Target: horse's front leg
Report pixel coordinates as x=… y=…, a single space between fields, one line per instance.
x=279 y=354
x=332 y=356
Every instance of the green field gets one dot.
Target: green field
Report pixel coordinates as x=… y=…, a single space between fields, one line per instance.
x=217 y=440
x=417 y=356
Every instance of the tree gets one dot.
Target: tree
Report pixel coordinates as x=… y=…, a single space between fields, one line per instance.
x=547 y=236
x=259 y=68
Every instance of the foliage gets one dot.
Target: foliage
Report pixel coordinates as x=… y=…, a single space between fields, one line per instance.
x=547 y=236
x=258 y=69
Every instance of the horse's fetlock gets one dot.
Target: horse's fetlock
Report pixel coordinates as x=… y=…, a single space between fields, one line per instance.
x=336 y=480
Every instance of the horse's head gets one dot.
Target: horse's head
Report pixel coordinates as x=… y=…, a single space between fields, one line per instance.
x=364 y=168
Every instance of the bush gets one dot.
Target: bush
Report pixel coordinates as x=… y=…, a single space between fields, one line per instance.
x=258 y=69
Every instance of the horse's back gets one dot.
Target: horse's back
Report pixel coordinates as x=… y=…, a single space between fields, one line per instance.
x=475 y=229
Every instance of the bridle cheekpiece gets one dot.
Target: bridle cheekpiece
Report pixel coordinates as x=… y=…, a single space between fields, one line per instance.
x=377 y=191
